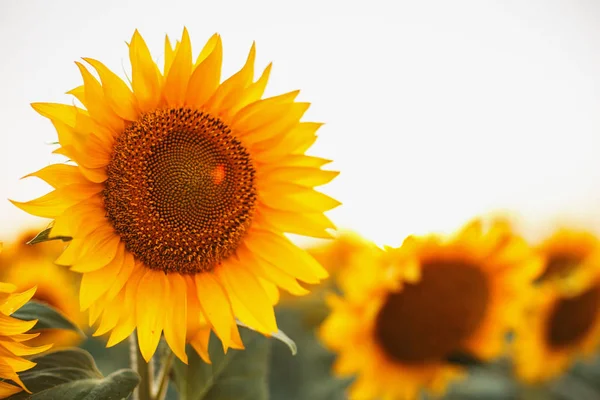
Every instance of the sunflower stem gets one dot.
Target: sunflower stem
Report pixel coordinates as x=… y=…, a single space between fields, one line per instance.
x=163 y=376
x=144 y=389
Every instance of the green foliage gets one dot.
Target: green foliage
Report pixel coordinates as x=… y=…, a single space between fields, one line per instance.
x=308 y=375
x=72 y=374
x=44 y=236
x=48 y=317
x=237 y=375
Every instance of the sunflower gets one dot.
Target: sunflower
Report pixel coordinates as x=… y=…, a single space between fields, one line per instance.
x=566 y=254
x=26 y=266
x=12 y=338
x=336 y=254
x=561 y=323
x=412 y=313
x=178 y=196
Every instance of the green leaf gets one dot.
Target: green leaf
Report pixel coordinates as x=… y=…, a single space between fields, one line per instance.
x=279 y=335
x=237 y=375
x=307 y=375
x=48 y=317
x=72 y=374
x=44 y=236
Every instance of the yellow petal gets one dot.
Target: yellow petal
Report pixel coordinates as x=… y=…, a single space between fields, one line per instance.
x=255 y=113
x=96 y=283
x=313 y=224
x=248 y=299
x=290 y=197
x=200 y=344
x=125 y=272
x=179 y=74
x=16 y=301
x=111 y=315
x=215 y=305
x=229 y=91
x=7 y=390
x=11 y=326
x=96 y=104
x=150 y=311
x=145 y=76
x=20 y=349
x=206 y=76
x=57 y=201
x=176 y=320
x=281 y=118
x=253 y=92
x=270 y=289
x=60 y=175
x=271 y=272
x=101 y=248
x=117 y=93
x=305 y=176
x=278 y=250
x=64 y=113
x=169 y=54
x=127 y=321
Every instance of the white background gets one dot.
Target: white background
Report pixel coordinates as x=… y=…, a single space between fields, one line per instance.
x=435 y=111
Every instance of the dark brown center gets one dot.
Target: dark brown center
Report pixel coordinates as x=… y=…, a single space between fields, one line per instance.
x=572 y=318
x=180 y=190
x=430 y=320
x=559 y=266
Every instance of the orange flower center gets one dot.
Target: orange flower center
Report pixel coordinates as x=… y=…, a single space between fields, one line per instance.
x=180 y=190
x=429 y=321
x=571 y=319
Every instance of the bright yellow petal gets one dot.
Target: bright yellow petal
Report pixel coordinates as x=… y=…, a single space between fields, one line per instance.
x=16 y=301
x=215 y=305
x=56 y=202
x=206 y=76
x=278 y=250
x=176 y=321
x=96 y=104
x=60 y=175
x=249 y=301
x=200 y=344
x=145 y=76
x=150 y=311
x=96 y=283
x=117 y=93
x=100 y=249
x=179 y=73
x=11 y=326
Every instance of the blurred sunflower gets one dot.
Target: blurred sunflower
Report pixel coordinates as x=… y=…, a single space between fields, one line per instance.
x=336 y=254
x=561 y=323
x=26 y=266
x=12 y=338
x=565 y=251
x=181 y=194
x=413 y=312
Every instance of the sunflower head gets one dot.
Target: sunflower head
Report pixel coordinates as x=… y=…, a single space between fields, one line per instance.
x=12 y=340
x=561 y=322
x=567 y=254
x=178 y=194
x=26 y=266
x=412 y=310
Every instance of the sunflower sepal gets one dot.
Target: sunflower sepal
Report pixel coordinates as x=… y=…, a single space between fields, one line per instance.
x=72 y=373
x=44 y=236
x=47 y=317
x=279 y=335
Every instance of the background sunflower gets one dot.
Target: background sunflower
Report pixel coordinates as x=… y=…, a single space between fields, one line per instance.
x=27 y=266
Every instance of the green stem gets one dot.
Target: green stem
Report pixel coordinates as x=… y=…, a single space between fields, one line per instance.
x=143 y=391
x=163 y=376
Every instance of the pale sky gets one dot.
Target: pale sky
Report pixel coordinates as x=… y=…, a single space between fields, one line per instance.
x=435 y=111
